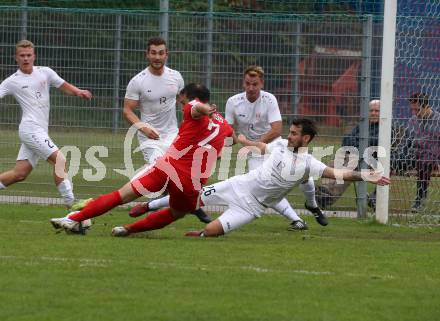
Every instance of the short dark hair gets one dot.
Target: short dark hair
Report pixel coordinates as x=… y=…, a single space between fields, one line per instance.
x=421 y=99
x=156 y=41
x=193 y=91
x=308 y=126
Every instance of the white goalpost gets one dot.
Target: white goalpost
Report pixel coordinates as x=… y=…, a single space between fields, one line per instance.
x=386 y=97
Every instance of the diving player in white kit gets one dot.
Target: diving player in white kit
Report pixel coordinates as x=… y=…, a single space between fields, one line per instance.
x=30 y=86
x=288 y=165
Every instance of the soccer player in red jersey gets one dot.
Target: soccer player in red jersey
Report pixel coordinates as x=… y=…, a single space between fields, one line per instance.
x=182 y=171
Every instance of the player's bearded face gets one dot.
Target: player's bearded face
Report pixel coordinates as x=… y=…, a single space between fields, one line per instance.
x=157 y=56
x=25 y=58
x=295 y=138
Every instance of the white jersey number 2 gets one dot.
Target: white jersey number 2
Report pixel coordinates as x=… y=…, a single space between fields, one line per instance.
x=216 y=129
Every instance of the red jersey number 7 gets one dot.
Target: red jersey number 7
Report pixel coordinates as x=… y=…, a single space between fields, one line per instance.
x=215 y=130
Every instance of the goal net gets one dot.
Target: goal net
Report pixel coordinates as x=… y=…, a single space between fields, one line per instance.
x=415 y=153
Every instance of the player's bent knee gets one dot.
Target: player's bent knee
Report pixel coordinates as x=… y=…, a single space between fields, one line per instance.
x=127 y=193
x=21 y=170
x=177 y=214
x=214 y=228
x=20 y=176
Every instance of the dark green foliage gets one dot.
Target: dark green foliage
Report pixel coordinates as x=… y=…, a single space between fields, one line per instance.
x=257 y=6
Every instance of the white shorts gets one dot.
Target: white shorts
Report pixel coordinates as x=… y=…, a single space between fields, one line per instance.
x=34 y=146
x=153 y=149
x=242 y=209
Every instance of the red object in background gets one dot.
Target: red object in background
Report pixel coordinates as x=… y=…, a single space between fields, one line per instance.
x=329 y=79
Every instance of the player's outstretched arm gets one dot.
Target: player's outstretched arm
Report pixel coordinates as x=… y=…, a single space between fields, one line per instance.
x=72 y=90
x=350 y=175
x=249 y=143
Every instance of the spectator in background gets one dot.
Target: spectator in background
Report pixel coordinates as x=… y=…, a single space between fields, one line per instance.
x=423 y=138
x=330 y=191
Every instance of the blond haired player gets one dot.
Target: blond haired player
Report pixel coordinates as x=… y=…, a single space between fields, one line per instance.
x=30 y=85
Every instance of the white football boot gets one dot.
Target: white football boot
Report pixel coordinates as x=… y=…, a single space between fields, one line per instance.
x=120 y=231
x=65 y=223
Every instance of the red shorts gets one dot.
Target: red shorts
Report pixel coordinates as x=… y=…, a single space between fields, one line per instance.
x=154 y=180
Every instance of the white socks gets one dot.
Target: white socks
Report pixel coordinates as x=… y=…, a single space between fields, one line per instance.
x=66 y=191
x=159 y=203
x=2 y=186
x=284 y=208
x=308 y=189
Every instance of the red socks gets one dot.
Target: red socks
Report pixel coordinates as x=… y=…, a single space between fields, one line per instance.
x=98 y=206
x=153 y=221
x=104 y=203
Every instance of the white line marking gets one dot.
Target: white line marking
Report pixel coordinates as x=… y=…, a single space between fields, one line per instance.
x=87 y=262
x=31 y=222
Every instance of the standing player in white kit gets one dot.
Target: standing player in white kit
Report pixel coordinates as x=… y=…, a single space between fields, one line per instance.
x=247 y=196
x=154 y=91
x=30 y=85
x=256 y=115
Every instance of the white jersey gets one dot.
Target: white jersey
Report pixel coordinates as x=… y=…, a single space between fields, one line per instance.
x=281 y=171
x=252 y=119
x=157 y=98
x=32 y=93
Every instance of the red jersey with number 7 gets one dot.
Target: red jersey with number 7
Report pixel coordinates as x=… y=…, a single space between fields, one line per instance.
x=199 y=142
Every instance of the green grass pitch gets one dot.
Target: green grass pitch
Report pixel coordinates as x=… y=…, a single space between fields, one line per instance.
x=349 y=270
